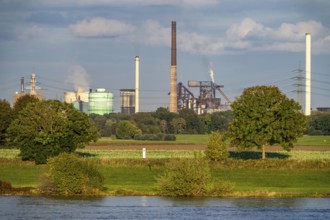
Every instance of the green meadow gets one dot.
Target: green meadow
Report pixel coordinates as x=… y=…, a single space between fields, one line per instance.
x=295 y=173
x=201 y=139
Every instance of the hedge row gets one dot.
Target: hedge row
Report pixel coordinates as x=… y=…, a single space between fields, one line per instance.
x=155 y=137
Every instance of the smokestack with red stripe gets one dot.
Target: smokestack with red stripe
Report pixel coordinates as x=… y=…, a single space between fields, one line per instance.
x=173 y=82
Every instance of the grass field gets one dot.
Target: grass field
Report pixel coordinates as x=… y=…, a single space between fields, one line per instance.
x=167 y=154
x=202 y=140
x=129 y=179
x=295 y=173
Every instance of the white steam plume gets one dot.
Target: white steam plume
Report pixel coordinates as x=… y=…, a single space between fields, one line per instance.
x=78 y=77
x=211 y=71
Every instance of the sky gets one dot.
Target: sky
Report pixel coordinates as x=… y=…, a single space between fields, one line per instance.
x=93 y=43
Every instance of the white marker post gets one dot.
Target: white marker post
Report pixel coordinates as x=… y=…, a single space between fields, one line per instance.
x=144 y=153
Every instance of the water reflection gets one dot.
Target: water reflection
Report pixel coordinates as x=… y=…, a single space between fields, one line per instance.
x=143 y=207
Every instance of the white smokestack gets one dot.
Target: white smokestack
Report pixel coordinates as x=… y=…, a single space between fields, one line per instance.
x=137 y=73
x=308 y=75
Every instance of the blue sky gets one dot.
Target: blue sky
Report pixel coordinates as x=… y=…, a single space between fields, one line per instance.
x=93 y=43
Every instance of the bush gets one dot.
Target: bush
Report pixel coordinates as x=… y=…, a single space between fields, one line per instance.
x=185 y=177
x=5 y=187
x=155 y=137
x=169 y=137
x=216 y=148
x=221 y=188
x=70 y=175
x=127 y=130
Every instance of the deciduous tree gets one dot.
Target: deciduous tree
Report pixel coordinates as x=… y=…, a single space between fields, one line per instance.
x=263 y=115
x=6 y=116
x=127 y=130
x=45 y=129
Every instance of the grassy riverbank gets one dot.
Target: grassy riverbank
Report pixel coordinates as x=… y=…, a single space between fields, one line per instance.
x=298 y=173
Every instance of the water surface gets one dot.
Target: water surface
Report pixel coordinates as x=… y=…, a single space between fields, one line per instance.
x=142 y=207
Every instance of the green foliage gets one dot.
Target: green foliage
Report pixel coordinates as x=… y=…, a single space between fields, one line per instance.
x=221 y=188
x=220 y=121
x=22 y=102
x=185 y=177
x=6 y=117
x=127 y=130
x=5 y=187
x=194 y=125
x=155 y=137
x=147 y=122
x=178 y=125
x=71 y=175
x=45 y=129
x=216 y=149
x=265 y=116
x=319 y=124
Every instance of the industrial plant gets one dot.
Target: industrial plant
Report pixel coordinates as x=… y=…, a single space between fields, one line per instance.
x=100 y=101
x=32 y=87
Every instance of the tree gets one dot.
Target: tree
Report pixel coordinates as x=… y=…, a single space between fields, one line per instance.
x=216 y=148
x=22 y=102
x=193 y=123
x=220 y=121
x=262 y=115
x=45 y=129
x=146 y=122
x=319 y=124
x=178 y=125
x=6 y=116
x=127 y=130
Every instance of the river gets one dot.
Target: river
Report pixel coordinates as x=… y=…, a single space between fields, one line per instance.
x=143 y=207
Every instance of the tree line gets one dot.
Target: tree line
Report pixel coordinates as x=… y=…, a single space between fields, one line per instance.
x=261 y=116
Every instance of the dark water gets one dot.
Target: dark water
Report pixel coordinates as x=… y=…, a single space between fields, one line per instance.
x=141 y=207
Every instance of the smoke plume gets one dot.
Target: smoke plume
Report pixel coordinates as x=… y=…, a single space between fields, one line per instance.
x=78 y=77
x=211 y=71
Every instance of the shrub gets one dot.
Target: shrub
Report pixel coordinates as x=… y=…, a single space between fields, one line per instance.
x=5 y=187
x=185 y=177
x=169 y=137
x=71 y=175
x=216 y=149
x=127 y=130
x=155 y=137
x=221 y=188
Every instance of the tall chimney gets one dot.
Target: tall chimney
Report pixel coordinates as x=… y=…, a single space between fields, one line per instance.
x=22 y=85
x=33 y=84
x=137 y=73
x=173 y=83
x=308 y=75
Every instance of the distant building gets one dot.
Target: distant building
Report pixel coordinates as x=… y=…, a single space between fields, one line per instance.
x=323 y=109
x=100 y=102
x=127 y=102
x=33 y=89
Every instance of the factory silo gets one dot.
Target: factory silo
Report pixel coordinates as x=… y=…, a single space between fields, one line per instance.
x=100 y=102
x=127 y=101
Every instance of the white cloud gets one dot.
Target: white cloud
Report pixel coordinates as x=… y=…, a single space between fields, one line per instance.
x=155 y=34
x=247 y=35
x=101 y=27
x=287 y=37
x=186 y=3
x=179 y=3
